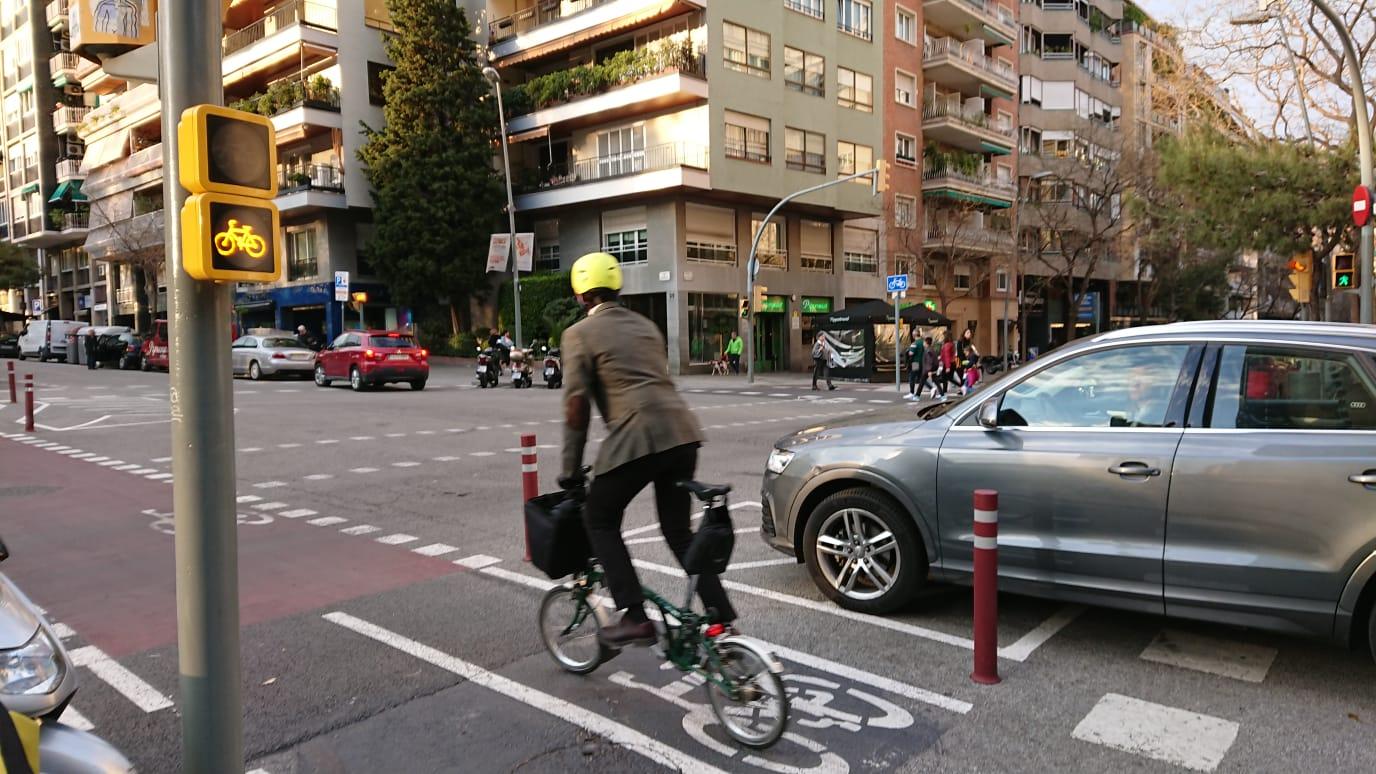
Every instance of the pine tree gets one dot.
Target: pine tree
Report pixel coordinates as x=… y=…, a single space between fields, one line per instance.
x=437 y=196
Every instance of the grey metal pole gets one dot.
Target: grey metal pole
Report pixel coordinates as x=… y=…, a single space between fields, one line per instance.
x=897 y=377
x=202 y=400
x=1359 y=111
x=492 y=75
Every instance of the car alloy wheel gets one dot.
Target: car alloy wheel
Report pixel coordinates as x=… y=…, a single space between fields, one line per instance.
x=254 y=371
x=355 y=380
x=320 y=380
x=863 y=551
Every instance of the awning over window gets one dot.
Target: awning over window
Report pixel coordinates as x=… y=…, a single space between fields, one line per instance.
x=105 y=150
x=28 y=189
x=69 y=190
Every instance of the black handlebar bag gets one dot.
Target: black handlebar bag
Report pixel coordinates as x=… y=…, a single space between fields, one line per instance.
x=710 y=551
x=558 y=542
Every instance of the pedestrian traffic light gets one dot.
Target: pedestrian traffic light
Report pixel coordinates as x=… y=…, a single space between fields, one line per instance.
x=1345 y=274
x=745 y=308
x=1301 y=277
x=758 y=300
x=881 y=177
x=227 y=159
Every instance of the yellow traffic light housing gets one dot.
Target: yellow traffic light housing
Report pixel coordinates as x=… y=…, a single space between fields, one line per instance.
x=757 y=302
x=227 y=151
x=745 y=308
x=1345 y=274
x=230 y=238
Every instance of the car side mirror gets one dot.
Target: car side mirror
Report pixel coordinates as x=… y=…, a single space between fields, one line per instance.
x=989 y=414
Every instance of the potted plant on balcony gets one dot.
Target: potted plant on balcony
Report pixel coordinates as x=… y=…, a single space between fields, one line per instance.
x=299 y=179
x=320 y=90
x=58 y=218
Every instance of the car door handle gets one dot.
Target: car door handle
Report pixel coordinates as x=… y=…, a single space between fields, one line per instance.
x=1367 y=479
x=1134 y=469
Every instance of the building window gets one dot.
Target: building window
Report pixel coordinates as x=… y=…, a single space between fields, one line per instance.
x=628 y=246
x=377 y=77
x=621 y=151
x=1001 y=281
x=747 y=137
x=816 y=246
x=855 y=17
x=905 y=26
x=773 y=249
x=711 y=234
x=745 y=49
x=861 y=249
x=711 y=319
x=547 y=245
x=903 y=264
x=301 y=257
x=904 y=211
x=856 y=90
x=547 y=258
x=905 y=88
x=375 y=14
x=805 y=72
x=1031 y=141
x=962 y=278
x=905 y=149
x=812 y=8
x=852 y=158
x=805 y=151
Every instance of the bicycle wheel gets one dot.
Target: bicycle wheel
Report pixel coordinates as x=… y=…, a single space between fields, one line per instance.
x=758 y=717
x=569 y=630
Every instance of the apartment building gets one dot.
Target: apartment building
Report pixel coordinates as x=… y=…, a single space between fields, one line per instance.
x=968 y=122
x=314 y=67
x=699 y=118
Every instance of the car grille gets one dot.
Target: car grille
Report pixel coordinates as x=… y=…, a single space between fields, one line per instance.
x=766 y=517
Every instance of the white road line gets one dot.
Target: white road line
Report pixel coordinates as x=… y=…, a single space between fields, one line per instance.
x=477 y=561
x=395 y=435
x=780 y=395
x=327 y=521
x=63 y=631
x=161 y=459
x=1026 y=644
x=405 y=464
x=319 y=476
x=539 y=584
x=360 y=438
x=247 y=499
x=483 y=427
x=128 y=684
x=1237 y=660
x=481 y=454
x=435 y=549
x=1159 y=732
x=143 y=471
x=761 y=563
x=558 y=708
x=158 y=476
x=361 y=529
x=258 y=771
x=83 y=455
x=297 y=514
x=396 y=539
x=750 y=393
x=455 y=430
x=269 y=484
x=445 y=459
x=98 y=459
x=363 y=470
x=425 y=432
x=111 y=463
x=288 y=445
x=648 y=527
x=327 y=441
x=71 y=717
x=273 y=506
x=250 y=449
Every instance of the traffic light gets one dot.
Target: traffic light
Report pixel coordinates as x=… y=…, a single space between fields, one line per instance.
x=357 y=299
x=758 y=301
x=228 y=161
x=1345 y=274
x=881 y=177
x=745 y=308
x=1301 y=277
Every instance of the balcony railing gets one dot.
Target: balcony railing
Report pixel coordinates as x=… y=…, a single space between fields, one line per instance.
x=979 y=178
x=68 y=117
x=813 y=8
x=124 y=296
x=659 y=157
x=967 y=234
x=994 y=11
x=68 y=169
x=622 y=69
x=939 y=47
x=71 y=221
x=57 y=13
x=935 y=110
x=309 y=177
x=320 y=15
x=815 y=262
x=539 y=15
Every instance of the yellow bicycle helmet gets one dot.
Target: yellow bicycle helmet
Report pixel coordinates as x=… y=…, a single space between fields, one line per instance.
x=595 y=270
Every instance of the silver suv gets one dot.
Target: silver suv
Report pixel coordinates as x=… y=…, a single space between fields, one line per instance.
x=1224 y=471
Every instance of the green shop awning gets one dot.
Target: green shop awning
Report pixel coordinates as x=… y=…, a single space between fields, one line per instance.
x=28 y=189
x=965 y=197
x=68 y=190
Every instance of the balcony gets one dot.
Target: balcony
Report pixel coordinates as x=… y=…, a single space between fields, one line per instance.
x=984 y=18
x=970 y=237
x=57 y=15
x=70 y=223
x=67 y=118
x=69 y=169
x=966 y=182
x=298 y=32
x=310 y=187
x=631 y=83
x=950 y=123
x=295 y=105
x=547 y=27
x=662 y=167
x=951 y=63
x=67 y=67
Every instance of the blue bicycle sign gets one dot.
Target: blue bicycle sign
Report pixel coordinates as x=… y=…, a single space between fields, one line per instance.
x=898 y=283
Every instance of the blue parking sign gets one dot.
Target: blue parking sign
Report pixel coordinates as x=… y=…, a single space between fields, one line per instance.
x=898 y=283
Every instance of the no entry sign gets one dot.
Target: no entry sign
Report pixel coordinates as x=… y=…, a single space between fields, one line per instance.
x=1361 y=206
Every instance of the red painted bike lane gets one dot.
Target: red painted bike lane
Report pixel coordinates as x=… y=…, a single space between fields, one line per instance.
x=84 y=544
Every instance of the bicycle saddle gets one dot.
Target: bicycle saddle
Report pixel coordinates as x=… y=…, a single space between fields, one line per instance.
x=705 y=491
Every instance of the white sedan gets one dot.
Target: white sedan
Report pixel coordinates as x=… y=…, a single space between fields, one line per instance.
x=275 y=355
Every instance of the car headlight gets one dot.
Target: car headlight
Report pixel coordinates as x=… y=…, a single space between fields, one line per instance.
x=778 y=460
x=34 y=668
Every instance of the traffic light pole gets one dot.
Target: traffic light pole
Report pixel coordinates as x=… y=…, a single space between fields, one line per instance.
x=202 y=401
x=751 y=269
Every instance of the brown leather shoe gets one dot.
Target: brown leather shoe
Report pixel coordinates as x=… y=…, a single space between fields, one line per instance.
x=626 y=632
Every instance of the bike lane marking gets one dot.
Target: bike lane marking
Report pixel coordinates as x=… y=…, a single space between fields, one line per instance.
x=557 y=708
x=128 y=684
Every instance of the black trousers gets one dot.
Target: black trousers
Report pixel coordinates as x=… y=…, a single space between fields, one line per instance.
x=735 y=363
x=605 y=509
x=821 y=367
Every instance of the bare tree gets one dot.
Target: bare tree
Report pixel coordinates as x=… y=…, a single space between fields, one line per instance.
x=953 y=248
x=132 y=236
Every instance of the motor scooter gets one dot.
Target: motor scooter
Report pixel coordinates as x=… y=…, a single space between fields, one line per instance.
x=520 y=368
x=553 y=370
x=40 y=682
x=487 y=368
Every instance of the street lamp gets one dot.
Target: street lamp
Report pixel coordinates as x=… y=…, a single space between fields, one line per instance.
x=1354 y=71
x=492 y=75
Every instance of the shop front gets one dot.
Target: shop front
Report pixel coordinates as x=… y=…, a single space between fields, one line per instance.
x=313 y=306
x=771 y=335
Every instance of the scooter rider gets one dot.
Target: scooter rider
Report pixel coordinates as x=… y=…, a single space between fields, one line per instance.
x=614 y=358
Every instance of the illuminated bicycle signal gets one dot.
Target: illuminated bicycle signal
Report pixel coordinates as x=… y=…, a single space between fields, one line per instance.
x=236 y=237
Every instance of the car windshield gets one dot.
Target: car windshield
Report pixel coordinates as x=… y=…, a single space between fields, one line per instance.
x=128 y=338
x=281 y=342
x=392 y=341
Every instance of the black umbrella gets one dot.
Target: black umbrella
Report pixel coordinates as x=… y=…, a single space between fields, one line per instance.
x=871 y=312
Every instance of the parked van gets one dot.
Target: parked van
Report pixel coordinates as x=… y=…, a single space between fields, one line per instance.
x=46 y=339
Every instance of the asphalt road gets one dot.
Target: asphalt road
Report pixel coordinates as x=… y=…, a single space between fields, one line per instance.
x=388 y=620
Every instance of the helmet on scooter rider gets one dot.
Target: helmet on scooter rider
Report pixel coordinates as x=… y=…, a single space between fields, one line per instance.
x=595 y=270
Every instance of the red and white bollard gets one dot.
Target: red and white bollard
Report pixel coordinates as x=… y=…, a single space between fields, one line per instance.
x=986 y=587
x=14 y=398
x=530 y=476
x=28 y=403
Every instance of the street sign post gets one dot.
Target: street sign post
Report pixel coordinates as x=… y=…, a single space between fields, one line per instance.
x=898 y=288
x=341 y=295
x=897 y=283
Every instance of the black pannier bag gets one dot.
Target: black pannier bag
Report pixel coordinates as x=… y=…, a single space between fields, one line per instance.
x=558 y=543
x=710 y=551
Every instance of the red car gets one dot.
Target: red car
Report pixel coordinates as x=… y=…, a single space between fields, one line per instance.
x=367 y=358
x=155 y=348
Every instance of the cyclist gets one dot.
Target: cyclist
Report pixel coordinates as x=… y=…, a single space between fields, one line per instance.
x=615 y=358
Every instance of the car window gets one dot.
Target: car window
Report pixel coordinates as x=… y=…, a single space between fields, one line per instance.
x=352 y=341
x=1281 y=388
x=281 y=341
x=339 y=340
x=1122 y=387
x=392 y=341
x=245 y=341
